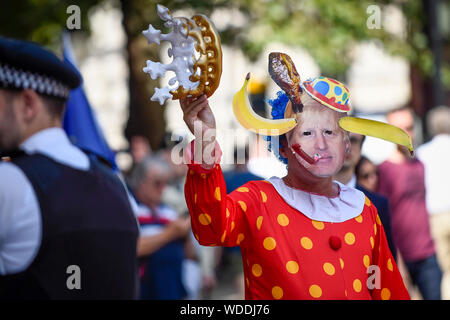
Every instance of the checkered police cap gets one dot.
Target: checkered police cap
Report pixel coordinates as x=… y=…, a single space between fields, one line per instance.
x=27 y=65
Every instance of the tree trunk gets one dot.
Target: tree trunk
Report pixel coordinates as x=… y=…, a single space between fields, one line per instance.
x=146 y=118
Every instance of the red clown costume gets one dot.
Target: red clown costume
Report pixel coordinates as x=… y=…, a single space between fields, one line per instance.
x=290 y=249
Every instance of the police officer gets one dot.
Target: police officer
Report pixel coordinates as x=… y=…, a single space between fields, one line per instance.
x=67 y=230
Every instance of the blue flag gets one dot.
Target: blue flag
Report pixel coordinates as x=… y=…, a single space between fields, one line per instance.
x=79 y=120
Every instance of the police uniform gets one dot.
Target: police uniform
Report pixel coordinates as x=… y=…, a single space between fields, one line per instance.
x=59 y=210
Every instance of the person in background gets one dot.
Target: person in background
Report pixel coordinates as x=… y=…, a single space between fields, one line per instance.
x=402 y=181
x=164 y=231
x=348 y=175
x=366 y=174
x=198 y=274
x=435 y=156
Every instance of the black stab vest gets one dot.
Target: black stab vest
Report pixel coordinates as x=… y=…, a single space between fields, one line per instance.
x=87 y=222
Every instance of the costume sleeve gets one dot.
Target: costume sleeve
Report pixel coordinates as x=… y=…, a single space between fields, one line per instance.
x=384 y=278
x=217 y=218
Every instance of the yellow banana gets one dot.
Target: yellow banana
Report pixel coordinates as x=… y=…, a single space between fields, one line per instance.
x=250 y=120
x=377 y=129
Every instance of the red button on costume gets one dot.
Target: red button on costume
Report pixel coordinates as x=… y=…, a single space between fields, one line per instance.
x=285 y=254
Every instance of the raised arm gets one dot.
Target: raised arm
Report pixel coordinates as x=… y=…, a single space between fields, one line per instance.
x=200 y=120
x=216 y=218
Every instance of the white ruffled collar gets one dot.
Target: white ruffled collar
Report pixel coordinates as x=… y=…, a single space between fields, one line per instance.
x=347 y=205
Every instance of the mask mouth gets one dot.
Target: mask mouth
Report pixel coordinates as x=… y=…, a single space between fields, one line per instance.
x=296 y=148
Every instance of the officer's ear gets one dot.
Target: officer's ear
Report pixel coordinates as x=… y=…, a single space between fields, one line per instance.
x=29 y=105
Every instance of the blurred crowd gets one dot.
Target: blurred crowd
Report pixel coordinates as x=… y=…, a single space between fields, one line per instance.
x=411 y=194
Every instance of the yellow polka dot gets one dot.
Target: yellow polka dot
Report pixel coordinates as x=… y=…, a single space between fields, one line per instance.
x=318 y=225
x=191 y=172
x=385 y=294
x=390 y=266
x=269 y=243
x=367 y=202
x=328 y=268
x=240 y=238
x=277 y=292
x=196 y=237
x=283 y=220
x=222 y=239
x=259 y=221
x=232 y=225
x=204 y=219
x=342 y=263
x=315 y=291
x=242 y=189
x=306 y=243
x=359 y=219
x=203 y=175
x=217 y=194
x=366 y=261
x=227 y=214
x=372 y=242
x=349 y=238
x=377 y=219
x=248 y=282
x=256 y=270
x=357 y=285
x=375 y=228
x=263 y=196
x=243 y=205
x=345 y=292
x=292 y=267
x=195 y=198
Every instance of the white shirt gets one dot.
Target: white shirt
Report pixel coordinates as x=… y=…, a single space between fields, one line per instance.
x=20 y=216
x=435 y=156
x=347 y=205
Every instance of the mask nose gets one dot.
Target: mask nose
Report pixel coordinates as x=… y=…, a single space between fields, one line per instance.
x=321 y=143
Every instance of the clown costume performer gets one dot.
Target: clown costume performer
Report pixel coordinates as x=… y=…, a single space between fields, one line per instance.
x=303 y=236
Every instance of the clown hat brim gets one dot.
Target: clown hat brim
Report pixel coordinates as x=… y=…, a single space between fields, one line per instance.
x=330 y=103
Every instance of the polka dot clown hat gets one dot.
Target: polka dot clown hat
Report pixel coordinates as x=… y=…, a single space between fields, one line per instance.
x=328 y=92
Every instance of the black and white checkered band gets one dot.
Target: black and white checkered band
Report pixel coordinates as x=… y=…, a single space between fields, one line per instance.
x=11 y=77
